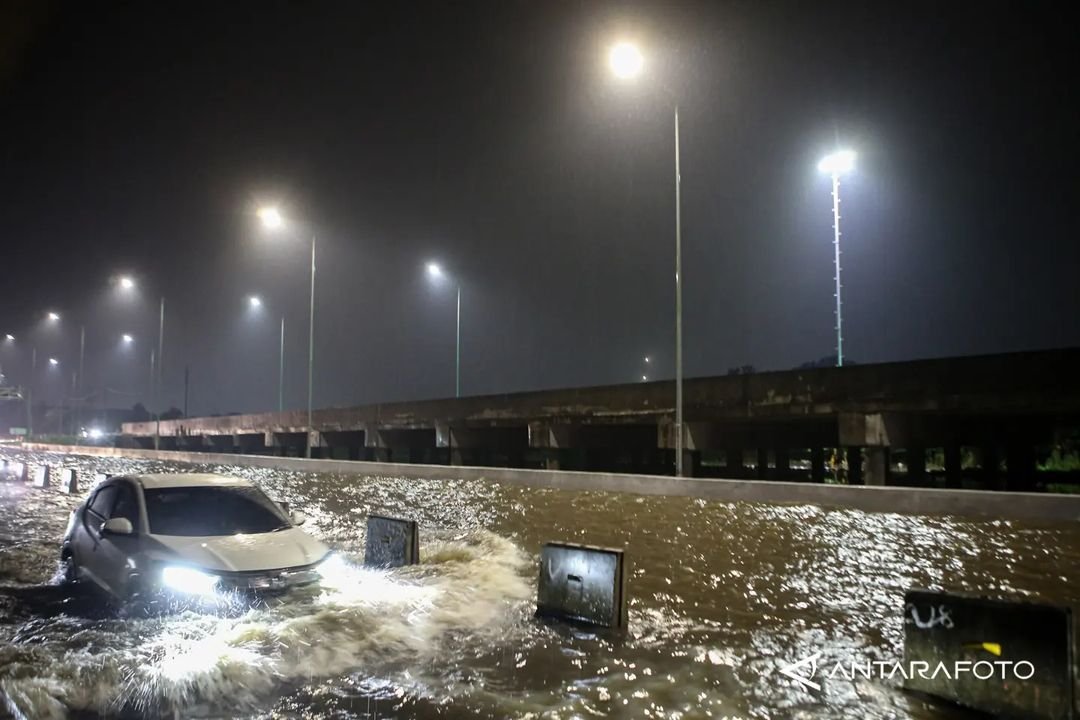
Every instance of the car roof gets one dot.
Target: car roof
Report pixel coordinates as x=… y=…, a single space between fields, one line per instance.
x=170 y=480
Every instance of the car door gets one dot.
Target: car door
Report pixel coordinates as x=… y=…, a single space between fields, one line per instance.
x=116 y=554
x=88 y=532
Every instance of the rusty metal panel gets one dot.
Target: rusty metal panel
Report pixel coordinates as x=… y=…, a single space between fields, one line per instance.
x=989 y=648
x=582 y=584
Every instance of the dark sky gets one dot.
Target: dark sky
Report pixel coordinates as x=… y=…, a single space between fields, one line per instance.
x=140 y=137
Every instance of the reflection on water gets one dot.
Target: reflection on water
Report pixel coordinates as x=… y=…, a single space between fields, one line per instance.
x=721 y=596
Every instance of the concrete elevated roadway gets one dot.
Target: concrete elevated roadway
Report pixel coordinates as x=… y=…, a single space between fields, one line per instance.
x=978 y=421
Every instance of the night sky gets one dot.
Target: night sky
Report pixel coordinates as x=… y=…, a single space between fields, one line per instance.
x=141 y=138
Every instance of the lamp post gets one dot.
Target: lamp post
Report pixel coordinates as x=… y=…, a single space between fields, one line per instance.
x=626 y=63
x=256 y=303
x=435 y=272
x=272 y=220
x=836 y=164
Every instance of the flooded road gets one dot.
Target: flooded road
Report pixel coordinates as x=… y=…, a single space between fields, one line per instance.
x=720 y=596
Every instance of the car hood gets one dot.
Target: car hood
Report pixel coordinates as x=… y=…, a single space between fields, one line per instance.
x=245 y=552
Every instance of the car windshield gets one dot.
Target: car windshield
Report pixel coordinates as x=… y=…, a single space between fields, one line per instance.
x=217 y=510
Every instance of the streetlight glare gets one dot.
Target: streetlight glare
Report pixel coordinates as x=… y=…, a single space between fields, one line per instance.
x=127 y=283
x=647 y=359
x=838 y=162
x=626 y=60
x=644 y=378
x=434 y=270
x=127 y=338
x=255 y=301
x=9 y=337
x=53 y=317
x=54 y=362
x=271 y=218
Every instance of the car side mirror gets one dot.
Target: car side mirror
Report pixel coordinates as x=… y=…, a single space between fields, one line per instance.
x=117 y=526
x=297 y=517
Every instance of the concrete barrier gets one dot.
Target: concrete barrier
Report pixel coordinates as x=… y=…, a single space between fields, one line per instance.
x=1011 y=659
x=42 y=476
x=391 y=542
x=27 y=473
x=69 y=481
x=1045 y=507
x=582 y=584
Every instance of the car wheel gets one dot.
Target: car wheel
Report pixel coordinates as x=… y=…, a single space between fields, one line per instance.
x=69 y=572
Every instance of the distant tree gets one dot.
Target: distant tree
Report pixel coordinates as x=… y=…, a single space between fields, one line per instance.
x=172 y=413
x=139 y=413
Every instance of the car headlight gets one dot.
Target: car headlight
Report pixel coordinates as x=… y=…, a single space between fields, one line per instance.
x=188 y=580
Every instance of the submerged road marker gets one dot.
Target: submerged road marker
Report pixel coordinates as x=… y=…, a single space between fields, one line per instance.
x=582 y=584
x=391 y=542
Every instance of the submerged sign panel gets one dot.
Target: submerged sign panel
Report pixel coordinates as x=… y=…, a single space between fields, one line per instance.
x=582 y=584
x=1012 y=659
x=391 y=542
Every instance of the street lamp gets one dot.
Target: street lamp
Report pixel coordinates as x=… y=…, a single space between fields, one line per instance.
x=53 y=317
x=53 y=362
x=127 y=283
x=9 y=337
x=626 y=63
x=435 y=272
x=836 y=164
x=127 y=338
x=256 y=304
x=272 y=220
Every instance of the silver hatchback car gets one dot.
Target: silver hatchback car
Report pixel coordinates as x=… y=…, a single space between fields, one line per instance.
x=189 y=534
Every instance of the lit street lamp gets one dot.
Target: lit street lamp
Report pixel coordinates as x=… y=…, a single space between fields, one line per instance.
x=255 y=303
x=272 y=219
x=128 y=285
x=436 y=273
x=127 y=338
x=53 y=317
x=836 y=164
x=626 y=63
x=9 y=337
x=53 y=362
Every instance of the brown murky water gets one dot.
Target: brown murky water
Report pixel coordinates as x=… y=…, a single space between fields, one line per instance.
x=721 y=596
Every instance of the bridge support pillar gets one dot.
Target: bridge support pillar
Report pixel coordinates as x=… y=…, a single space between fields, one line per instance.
x=733 y=458
x=916 y=465
x=555 y=440
x=1021 y=465
x=954 y=468
x=854 y=465
x=817 y=464
x=877 y=465
x=782 y=461
x=762 y=463
x=988 y=466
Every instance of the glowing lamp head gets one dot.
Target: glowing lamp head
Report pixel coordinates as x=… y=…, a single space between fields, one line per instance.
x=434 y=271
x=53 y=317
x=271 y=218
x=625 y=60
x=127 y=283
x=9 y=337
x=255 y=301
x=95 y=433
x=53 y=362
x=838 y=163
x=644 y=378
x=647 y=359
x=127 y=338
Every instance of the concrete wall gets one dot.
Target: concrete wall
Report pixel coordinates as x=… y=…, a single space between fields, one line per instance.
x=922 y=501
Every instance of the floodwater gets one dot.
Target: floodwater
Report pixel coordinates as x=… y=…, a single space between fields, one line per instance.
x=721 y=595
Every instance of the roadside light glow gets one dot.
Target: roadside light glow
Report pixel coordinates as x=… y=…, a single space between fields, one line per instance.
x=838 y=162
x=95 y=433
x=127 y=338
x=255 y=301
x=189 y=580
x=271 y=218
x=626 y=60
x=647 y=359
x=54 y=362
x=434 y=270
x=53 y=317
x=644 y=378
x=127 y=283
x=9 y=337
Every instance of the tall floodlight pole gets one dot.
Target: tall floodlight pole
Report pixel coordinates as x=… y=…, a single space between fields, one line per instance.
x=626 y=62
x=272 y=220
x=835 y=165
x=435 y=272
x=281 y=370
